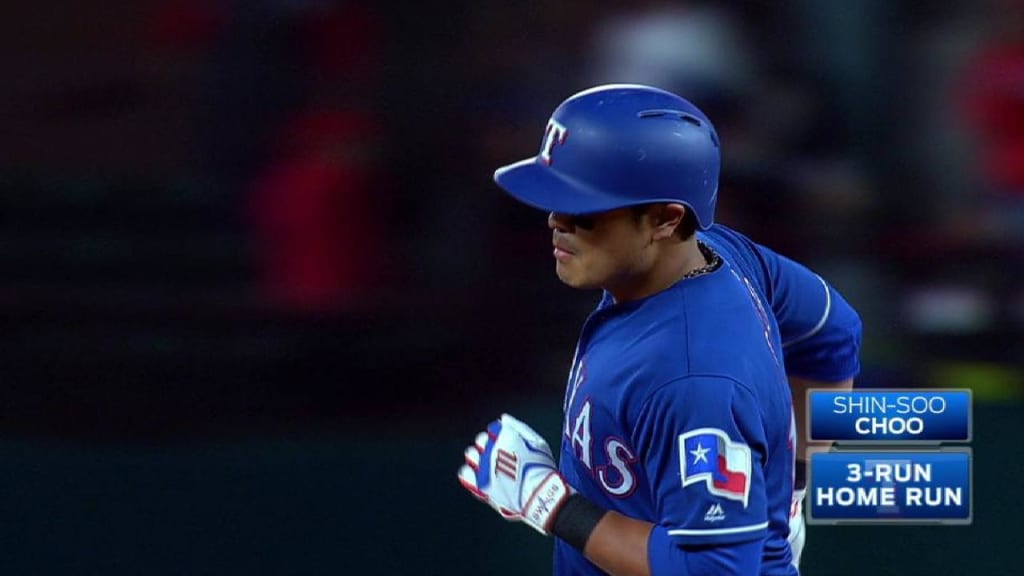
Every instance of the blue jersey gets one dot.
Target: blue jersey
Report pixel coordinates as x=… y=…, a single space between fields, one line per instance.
x=678 y=410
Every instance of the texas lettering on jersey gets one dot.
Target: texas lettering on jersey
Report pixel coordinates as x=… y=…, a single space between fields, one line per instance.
x=612 y=466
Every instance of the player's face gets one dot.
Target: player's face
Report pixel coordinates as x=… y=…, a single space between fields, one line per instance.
x=604 y=250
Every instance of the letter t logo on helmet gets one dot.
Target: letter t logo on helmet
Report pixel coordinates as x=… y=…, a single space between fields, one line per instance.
x=555 y=133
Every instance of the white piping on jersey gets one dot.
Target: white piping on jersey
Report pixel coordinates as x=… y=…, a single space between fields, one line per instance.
x=715 y=531
x=570 y=391
x=824 y=316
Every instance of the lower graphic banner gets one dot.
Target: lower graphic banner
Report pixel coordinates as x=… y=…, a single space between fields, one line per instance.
x=890 y=486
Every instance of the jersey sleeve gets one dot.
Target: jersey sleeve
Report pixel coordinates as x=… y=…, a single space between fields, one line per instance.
x=704 y=445
x=666 y=557
x=820 y=331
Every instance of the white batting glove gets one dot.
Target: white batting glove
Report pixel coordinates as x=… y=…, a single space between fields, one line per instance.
x=510 y=467
x=797 y=528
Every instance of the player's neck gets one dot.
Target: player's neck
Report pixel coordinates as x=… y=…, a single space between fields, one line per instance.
x=670 y=265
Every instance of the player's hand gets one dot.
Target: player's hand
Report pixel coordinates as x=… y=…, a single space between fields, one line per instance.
x=797 y=528
x=510 y=467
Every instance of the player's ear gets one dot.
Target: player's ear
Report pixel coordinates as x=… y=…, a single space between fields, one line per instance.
x=666 y=218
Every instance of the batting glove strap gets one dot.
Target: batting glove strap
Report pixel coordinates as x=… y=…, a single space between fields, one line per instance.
x=543 y=505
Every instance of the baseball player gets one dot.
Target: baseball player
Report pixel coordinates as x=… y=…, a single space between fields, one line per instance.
x=679 y=440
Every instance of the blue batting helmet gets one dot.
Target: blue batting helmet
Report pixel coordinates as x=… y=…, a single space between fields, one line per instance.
x=620 y=145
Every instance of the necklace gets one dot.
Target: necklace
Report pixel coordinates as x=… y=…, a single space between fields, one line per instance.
x=714 y=261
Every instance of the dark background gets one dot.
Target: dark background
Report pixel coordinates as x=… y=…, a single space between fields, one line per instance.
x=258 y=289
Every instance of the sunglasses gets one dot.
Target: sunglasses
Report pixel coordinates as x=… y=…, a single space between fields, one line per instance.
x=590 y=221
x=582 y=221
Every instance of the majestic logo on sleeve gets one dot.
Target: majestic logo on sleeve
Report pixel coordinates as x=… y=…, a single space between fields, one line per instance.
x=715 y=513
x=554 y=134
x=707 y=455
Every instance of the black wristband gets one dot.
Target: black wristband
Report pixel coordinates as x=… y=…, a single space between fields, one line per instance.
x=576 y=520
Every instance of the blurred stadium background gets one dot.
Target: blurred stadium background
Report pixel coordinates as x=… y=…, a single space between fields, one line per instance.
x=259 y=290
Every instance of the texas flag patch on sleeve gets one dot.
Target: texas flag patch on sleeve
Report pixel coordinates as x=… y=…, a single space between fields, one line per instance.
x=708 y=455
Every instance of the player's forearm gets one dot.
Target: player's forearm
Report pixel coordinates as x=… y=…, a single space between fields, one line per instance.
x=799 y=387
x=624 y=546
x=618 y=545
